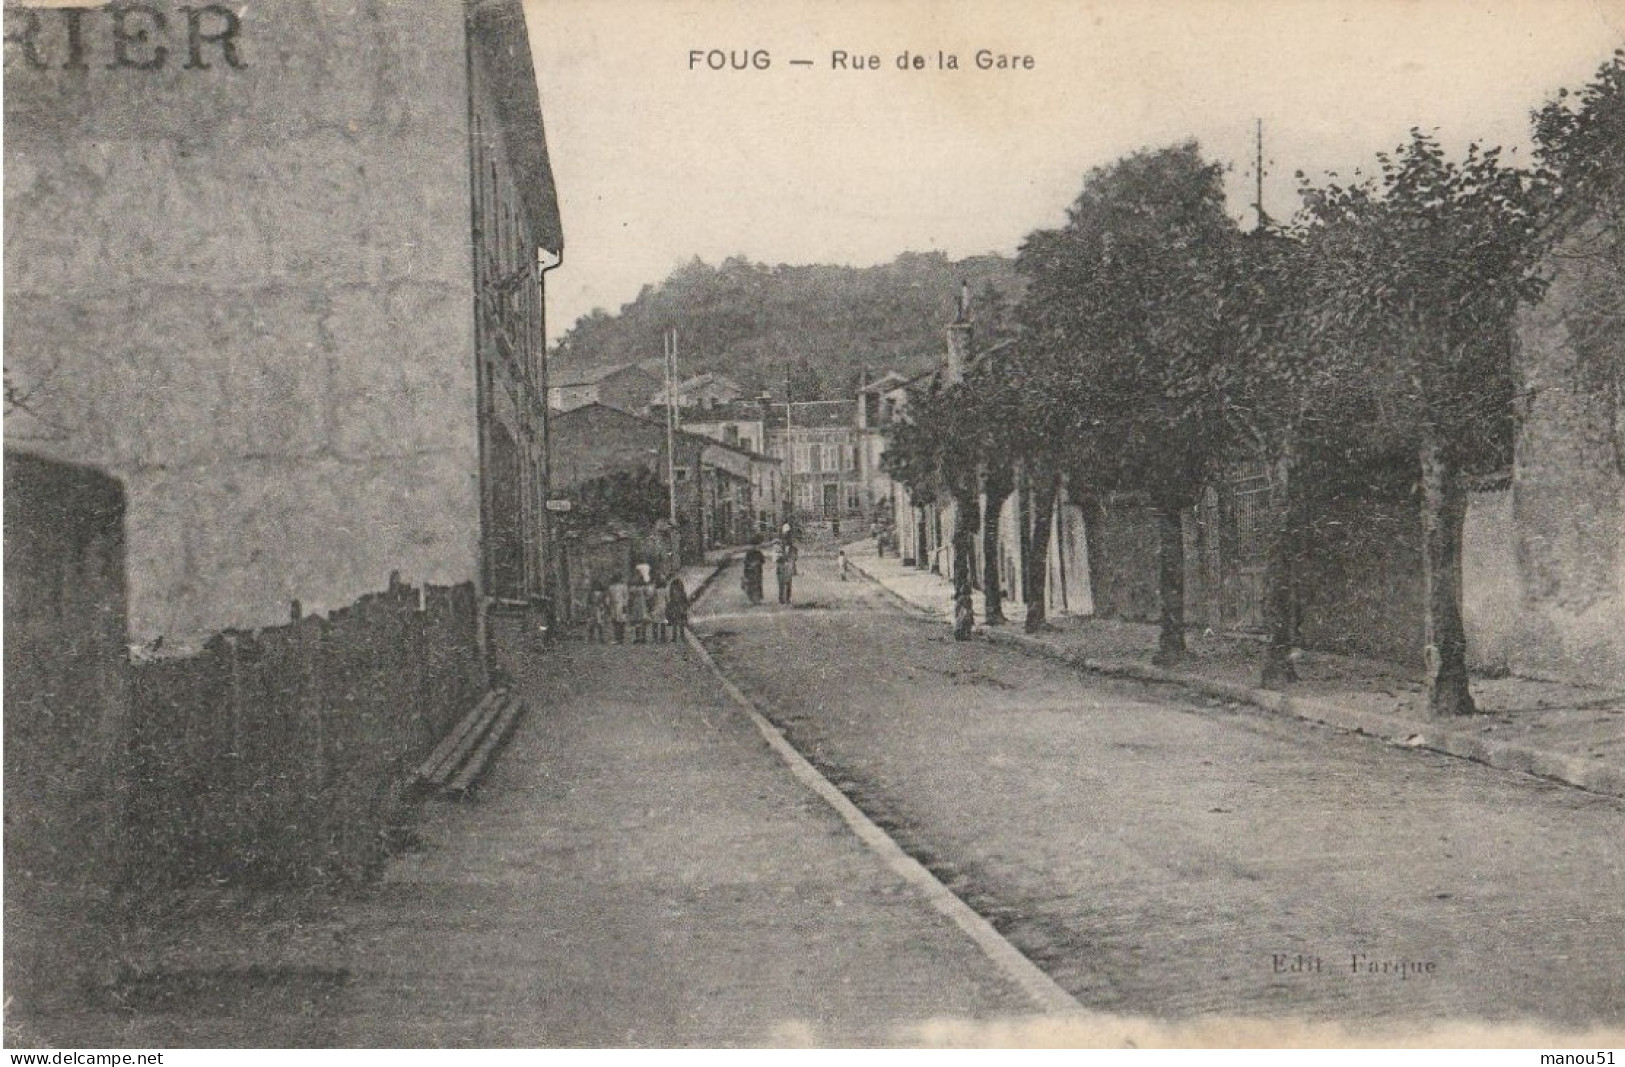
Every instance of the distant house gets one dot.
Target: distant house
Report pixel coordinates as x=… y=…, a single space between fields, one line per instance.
x=742 y=425
x=819 y=443
x=704 y=392
x=625 y=386
x=713 y=481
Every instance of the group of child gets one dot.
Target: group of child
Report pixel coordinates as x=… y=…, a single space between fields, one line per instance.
x=654 y=612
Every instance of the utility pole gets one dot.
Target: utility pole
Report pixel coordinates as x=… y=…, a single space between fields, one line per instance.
x=789 y=448
x=1258 y=177
x=671 y=424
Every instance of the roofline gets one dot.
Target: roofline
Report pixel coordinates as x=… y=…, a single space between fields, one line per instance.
x=499 y=30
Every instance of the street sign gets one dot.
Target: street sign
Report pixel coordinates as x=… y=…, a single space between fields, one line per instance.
x=559 y=505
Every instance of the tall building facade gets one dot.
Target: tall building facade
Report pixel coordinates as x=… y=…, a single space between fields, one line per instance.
x=278 y=269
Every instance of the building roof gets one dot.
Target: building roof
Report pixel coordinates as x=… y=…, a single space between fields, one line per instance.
x=594 y=375
x=814 y=415
x=497 y=28
x=887 y=382
x=708 y=378
x=596 y=410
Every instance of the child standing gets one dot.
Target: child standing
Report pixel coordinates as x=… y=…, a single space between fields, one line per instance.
x=597 y=614
x=638 y=611
x=619 y=596
x=658 y=600
x=677 y=607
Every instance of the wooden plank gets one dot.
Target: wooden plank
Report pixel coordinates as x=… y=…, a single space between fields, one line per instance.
x=435 y=769
x=471 y=738
x=483 y=756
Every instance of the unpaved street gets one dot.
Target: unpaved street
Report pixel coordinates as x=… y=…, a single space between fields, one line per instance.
x=1163 y=855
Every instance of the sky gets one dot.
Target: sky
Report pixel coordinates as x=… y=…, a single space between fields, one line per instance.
x=659 y=158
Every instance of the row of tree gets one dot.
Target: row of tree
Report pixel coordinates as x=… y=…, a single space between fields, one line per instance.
x=1156 y=344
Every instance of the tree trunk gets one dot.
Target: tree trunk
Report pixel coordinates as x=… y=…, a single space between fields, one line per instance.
x=964 y=549
x=997 y=485
x=1035 y=563
x=1171 y=582
x=1024 y=529
x=1444 y=513
x=1285 y=550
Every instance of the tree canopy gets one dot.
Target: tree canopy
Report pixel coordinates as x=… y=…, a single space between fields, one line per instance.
x=822 y=326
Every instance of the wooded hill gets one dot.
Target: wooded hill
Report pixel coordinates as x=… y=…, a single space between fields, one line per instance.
x=822 y=326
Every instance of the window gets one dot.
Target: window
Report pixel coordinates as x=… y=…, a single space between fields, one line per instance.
x=803 y=460
x=831 y=456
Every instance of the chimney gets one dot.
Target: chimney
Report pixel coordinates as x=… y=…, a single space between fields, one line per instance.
x=959 y=340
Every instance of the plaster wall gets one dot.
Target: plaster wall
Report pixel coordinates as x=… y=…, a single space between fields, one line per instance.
x=245 y=291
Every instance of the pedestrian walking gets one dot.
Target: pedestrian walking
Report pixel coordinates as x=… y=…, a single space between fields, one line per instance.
x=841 y=563
x=755 y=564
x=677 y=607
x=784 y=568
x=619 y=596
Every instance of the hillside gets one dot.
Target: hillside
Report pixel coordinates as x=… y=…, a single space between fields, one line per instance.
x=822 y=326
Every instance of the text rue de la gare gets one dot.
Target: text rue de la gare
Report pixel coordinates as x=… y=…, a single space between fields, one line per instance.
x=758 y=59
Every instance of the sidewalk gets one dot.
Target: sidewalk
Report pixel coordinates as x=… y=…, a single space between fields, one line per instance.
x=1574 y=734
x=638 y=869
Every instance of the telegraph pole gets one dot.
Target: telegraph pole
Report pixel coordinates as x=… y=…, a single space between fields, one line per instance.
x=1258 y=177
x=671 y=424
x=789 y=449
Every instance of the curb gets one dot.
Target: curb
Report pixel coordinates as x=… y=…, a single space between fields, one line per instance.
x=705 y=583
x=1039 y=986
x=1571 y=770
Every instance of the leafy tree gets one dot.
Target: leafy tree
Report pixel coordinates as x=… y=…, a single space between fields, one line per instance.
x=1580 y=146
x=929 y=453
x=1414 y=276
x=636 y=499
x=1130 y=361
x=992 y=420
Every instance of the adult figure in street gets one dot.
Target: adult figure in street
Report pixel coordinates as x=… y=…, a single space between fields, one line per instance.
x=784 y=568
x=755 y=564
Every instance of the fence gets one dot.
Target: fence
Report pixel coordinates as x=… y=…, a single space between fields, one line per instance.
x=66 y=707
x=280 y=756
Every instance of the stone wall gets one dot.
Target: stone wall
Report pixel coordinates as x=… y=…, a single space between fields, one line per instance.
x=244 y=291
x=1568 y=490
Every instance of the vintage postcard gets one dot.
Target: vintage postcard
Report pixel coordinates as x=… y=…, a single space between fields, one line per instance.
x=910 y=523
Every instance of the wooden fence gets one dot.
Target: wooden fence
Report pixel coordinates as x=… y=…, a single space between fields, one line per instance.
x=280 y=756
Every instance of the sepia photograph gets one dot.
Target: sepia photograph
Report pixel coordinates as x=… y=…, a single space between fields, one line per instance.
x=819 y=524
